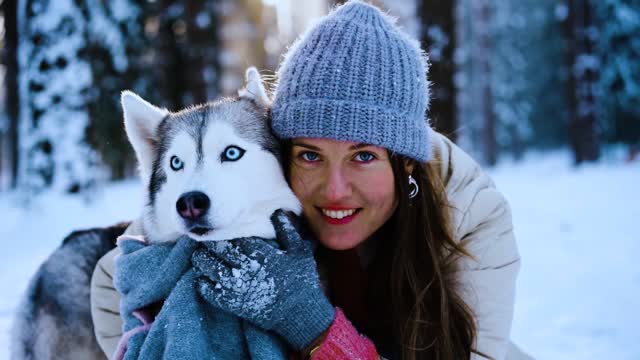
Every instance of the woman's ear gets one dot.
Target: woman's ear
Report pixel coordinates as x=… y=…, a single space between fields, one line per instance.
x=408 y=166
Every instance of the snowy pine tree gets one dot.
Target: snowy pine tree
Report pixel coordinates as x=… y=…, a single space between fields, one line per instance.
x=518 y=69
x=524 y=77
x=118 y=54
x=546 y=73
x=75 y=57
x=584 y=68
x=618 y=49
x=10 y=85
x=438 y=38
x=473 y=79
x=55 y=84
x=5 y=160
x=8 y=90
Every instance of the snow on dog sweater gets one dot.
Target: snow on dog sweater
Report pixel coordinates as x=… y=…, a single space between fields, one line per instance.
x=160 y=276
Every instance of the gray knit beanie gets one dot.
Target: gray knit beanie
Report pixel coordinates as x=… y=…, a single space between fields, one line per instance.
x=355 y=76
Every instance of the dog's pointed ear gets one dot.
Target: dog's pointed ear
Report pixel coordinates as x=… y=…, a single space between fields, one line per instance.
x=141 y=122
x=254 y=89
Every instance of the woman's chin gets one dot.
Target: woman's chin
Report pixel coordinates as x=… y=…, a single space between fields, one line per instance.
x=340 y=242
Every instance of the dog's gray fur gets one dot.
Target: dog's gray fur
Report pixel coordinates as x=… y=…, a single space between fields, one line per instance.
x=54 y=318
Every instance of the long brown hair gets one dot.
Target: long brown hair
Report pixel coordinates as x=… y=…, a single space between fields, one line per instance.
x=413 y=298
x=429 y=317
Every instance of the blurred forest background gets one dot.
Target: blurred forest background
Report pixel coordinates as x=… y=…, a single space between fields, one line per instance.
x=508 y=75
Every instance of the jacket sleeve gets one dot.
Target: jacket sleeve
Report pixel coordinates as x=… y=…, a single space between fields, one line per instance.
x=105 y=304
x=489 y=278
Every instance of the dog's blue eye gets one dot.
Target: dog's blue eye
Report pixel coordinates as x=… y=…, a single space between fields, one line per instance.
x=176 y=163
x=232 y=153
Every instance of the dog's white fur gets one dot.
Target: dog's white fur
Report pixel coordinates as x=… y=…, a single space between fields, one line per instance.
x=243 y=193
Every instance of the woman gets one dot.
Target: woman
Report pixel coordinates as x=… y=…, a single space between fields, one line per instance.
x=415 y=246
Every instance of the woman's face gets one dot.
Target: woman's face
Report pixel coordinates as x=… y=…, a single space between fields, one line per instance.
x=346 y=189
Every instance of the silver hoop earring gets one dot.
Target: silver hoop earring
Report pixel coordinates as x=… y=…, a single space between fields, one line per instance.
x=416 y=188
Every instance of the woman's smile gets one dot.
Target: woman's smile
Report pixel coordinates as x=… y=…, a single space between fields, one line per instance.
x=339 y=215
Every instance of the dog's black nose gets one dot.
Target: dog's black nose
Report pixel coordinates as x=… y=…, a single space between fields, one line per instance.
x=193 y=205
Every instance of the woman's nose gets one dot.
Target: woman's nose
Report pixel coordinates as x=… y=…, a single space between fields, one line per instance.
x=337 y=185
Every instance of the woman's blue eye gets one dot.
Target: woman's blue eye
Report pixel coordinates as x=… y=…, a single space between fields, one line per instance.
x=232 y=153
x=365 y=157
x=175 y=163
x=309 y=156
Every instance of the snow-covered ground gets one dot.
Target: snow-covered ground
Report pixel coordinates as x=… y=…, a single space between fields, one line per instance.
x=579 y=287
x=578 y=290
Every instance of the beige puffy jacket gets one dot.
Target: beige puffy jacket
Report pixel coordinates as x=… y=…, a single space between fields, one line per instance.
x=482 y=221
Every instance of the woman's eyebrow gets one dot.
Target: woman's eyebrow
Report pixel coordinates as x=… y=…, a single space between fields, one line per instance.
x=312 y=147
x=359 y=146
x=308 y=146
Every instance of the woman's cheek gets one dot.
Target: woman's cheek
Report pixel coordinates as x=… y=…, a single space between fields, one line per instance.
x=301 y=184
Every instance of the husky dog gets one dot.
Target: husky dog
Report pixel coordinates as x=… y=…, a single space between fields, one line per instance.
x=211 y=172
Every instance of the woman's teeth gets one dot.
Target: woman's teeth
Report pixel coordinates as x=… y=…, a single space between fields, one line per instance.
x=338 y=214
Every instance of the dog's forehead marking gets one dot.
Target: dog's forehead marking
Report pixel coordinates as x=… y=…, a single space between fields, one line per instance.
x=247 y=119
x=193 y=122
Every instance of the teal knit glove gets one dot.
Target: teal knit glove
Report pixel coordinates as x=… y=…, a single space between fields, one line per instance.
x=275 y=288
